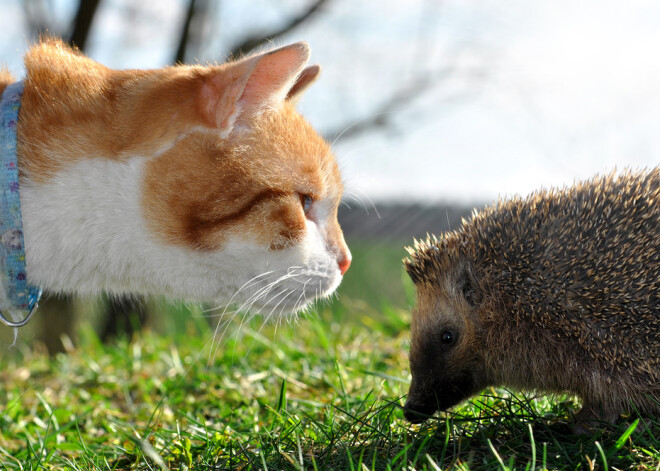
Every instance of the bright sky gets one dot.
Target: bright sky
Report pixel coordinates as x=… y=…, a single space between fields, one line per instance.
x=567 y=89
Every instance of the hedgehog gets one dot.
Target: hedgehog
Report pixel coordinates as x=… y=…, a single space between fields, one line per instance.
x=555 y=292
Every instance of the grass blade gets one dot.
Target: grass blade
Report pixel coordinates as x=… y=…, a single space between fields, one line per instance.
x=499 y=459
x=602 y=455
x=433 y=464
x=622 y=439
x=533 y=445
x=281 y=402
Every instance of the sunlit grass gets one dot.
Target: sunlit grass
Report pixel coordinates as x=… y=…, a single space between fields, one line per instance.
x=322 y=393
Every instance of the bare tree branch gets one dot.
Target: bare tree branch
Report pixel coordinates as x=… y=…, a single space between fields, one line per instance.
x=256 y=40
x=83 y=23
x=39 y=16
x=35 y=14
x=382 y=116
x=180 y=55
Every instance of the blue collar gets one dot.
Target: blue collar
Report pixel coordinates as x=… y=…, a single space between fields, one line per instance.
x=16 y=297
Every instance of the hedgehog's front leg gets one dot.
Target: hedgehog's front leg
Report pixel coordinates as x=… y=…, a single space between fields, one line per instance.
x=593 y=416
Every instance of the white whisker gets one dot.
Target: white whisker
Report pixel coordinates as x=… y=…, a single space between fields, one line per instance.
x=276 y=294
x=359 y=197
x=272 y=311
x=215 y=345
x=298 y=304
x=245 y=285
x=249 y=302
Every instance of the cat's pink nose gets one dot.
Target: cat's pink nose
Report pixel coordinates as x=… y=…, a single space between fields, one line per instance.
x=344 y=263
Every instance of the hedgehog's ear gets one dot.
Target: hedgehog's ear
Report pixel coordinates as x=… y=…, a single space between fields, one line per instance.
x=468 y=287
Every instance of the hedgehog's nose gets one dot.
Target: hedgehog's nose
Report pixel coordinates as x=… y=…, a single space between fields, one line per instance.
x=416 y=413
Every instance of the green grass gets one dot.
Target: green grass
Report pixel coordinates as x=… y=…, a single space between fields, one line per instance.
x=322 y=393
x=376 y=278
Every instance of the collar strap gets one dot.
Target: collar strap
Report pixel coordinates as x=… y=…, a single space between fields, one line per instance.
x=16 y=297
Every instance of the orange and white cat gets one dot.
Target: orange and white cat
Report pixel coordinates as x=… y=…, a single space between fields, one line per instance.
x=194 y=182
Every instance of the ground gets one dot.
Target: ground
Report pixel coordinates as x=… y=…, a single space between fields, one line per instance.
x=323 y=392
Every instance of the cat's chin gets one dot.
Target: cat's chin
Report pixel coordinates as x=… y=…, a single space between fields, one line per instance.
x=276 y=294
x=280 y=283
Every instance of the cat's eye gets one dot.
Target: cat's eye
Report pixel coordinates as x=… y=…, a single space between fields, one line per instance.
x=306 y=201
x=448 y=337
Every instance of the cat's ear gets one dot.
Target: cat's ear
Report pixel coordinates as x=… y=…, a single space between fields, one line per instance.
x=241 y=90
x=305 y=79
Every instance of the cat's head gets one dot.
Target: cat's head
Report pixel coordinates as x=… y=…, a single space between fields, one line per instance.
x=231 y=173
x=255 y=184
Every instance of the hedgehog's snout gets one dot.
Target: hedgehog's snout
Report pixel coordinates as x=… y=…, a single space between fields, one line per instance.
x=417 y=412
x=428 y=394
x=421 y=403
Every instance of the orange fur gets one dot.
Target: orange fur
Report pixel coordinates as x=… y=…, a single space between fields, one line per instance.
x=73 y=103
x=223 y=154
x=5 y=79
x=204 y=188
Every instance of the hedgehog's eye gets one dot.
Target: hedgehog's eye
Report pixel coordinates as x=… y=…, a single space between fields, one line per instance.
x=448 y=337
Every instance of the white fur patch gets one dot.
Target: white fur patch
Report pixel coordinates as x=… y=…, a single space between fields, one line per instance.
x=85 y=233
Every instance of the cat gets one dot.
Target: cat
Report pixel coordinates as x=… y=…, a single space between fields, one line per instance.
x=200 y=183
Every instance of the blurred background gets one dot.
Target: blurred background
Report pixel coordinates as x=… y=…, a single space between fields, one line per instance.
x=434 y=107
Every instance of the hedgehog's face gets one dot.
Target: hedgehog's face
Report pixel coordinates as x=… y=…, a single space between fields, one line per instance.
x=445 y=359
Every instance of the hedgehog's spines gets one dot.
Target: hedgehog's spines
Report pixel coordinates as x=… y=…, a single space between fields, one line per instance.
x=583 y=261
